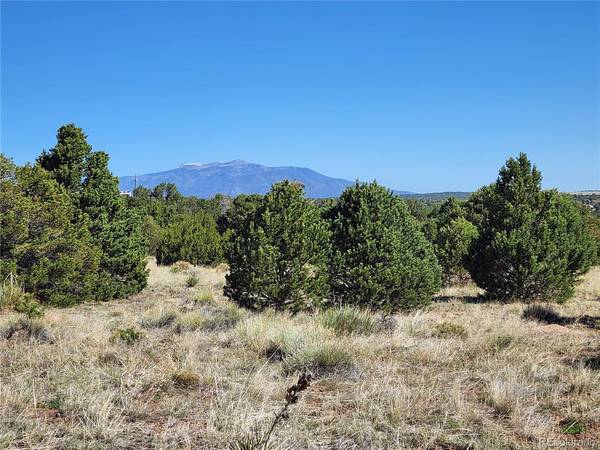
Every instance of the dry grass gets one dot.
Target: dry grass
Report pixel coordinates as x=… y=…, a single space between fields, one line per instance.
x=205 y=372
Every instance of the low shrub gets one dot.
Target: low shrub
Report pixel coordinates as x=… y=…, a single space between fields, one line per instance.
x=572 y=426
x=449 y=330
x=29 y=328
x=31 y=308
x=499 y=342
x=543 y=313
x=319 y=359
x=185 y=378
x=192 y=281
x=348 y=320
x=223 y=317
x=205 y=298
x=158 y=319
x=190 y=322
x=127 y=335
x=180 y=266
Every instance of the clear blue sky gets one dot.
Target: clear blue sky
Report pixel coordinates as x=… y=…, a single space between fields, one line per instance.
x=420 y=96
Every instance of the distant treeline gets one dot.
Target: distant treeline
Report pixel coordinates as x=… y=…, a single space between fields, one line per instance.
x=67 y=235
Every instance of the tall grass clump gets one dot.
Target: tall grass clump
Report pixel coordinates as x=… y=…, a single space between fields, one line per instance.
x=158 y=318
x=348 y=320
x=320 y=359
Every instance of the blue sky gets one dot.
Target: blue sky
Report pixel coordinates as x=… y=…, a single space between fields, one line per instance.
x=420 y=96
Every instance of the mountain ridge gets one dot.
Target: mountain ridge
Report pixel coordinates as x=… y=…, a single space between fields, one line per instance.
x=236 y=177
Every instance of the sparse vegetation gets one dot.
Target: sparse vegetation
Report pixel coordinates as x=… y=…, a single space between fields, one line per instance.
x=185 y=378
x=192 y=281
x=449 y=329
x=128 y=335
x=399 y=388
x=159 y=318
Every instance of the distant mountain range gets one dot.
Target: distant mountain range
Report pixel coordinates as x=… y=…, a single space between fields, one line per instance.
x=240 y=177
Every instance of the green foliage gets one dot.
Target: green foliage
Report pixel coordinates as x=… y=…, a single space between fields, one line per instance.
x=572 y=426
x=451 y=235
x=127 y=335
x=380 y=258
x=277 y=252
x=29 y=307
x=65 y=230
x=319 y=359
x=44 y=238
x=192 y=238
x=151 y=231
x=67 y=160
x=348 y=320
x=192 y=281
x=532 y=244
x=116 y=230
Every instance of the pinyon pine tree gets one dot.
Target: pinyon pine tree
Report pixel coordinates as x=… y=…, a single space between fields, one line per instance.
x=532 y=244
x=51 y=255
x=451 y=235
x=190 y=237
x=114 y=229
x=380 y=259
x=277 y=252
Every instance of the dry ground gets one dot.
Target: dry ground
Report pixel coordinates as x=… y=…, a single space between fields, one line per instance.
x=205 y=373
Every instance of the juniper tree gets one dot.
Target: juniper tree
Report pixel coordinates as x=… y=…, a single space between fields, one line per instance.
x=380 y=259
x=451 y=235
x=67 y=160
x=532 y=244
x=41 y=240
x=193 y=238
x=277 y=252
x=94 y=192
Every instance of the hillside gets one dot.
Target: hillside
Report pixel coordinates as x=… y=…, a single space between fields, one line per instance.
x=237 y=177
x=204 y=373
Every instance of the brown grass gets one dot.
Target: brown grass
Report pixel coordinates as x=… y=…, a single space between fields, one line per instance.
x=504 y=382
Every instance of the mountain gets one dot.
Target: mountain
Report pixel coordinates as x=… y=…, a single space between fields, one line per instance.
x=237 y=177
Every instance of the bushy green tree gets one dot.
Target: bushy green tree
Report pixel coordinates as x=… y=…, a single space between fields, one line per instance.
x=99 y=209
x=451 y=235
x=277 y=252
x=41 y=237
x=380 y=258
x=151 y=231
x=115 y=229
x=67 y=160
x=532 y=244
x=190 y=237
